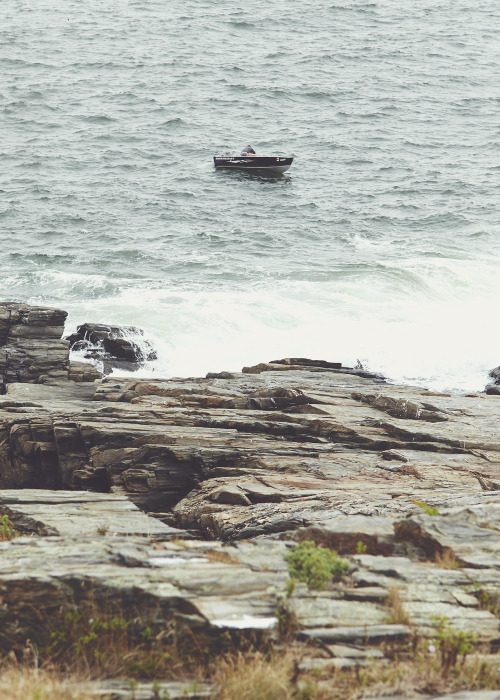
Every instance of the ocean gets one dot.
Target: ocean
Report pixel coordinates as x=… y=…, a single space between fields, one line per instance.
x=380 y=244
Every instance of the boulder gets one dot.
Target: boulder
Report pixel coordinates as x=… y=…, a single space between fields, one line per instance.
x=121 y=347
x=493 y=387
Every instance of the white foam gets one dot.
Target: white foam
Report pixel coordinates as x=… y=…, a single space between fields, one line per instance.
x=446 y=343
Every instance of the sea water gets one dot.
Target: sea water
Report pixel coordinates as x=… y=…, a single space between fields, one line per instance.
x=380 y=244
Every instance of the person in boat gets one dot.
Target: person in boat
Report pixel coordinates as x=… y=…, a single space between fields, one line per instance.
x=248 y=151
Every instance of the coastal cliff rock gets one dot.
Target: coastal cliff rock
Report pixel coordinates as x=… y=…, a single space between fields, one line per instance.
x=32 y=348
x=30 y=343
x=180 y=499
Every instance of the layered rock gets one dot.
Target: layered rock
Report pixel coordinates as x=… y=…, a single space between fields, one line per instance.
x=80 y=513
x=30 y=343
x=212 y=589
x=402 y=481
x=299 y=444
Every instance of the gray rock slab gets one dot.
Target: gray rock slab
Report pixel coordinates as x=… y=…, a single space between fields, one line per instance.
x=470 y=534
x=43 y=578
x=145 y=690
x=80 y=513
x=354 y=652
x=330 y=664
x=343 y=533
x=314 y=610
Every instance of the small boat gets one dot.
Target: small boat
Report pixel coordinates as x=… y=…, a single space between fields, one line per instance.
x=272 y=165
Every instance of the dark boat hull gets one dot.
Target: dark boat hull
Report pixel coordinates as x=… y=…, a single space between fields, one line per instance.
x=261 y=164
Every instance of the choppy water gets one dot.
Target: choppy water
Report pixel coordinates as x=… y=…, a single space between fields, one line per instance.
x=380 y=244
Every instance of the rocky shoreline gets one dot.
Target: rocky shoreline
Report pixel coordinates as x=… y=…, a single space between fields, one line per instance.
x=180 y=499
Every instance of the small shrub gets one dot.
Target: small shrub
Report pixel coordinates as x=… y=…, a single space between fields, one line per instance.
x=314 y=565
x=430 y=510
x=7 y=529
x=361 y=547
x=102 y=530
x=452 y=644
x=288 y=623
x=489 y=601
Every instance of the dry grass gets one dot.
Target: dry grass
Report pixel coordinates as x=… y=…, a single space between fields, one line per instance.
x=263 y=677
x=489 y=600
x=109 y=646
x=410 y=679
x=219 y=555
x=256 y=678
x=446 y=560
x=397 y=615
x=18 y=683
x=88 y=647
x=275 y=676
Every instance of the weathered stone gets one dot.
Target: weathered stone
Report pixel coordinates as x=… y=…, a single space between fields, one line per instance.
x=30 y=346
x=147 y=690
x=73 y=513
x=24 y=321
x=42 y=579
x=83 y=372
x=472 y=535
x=346 y=533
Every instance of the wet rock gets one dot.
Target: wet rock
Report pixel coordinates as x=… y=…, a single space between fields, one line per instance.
x=493 y=387
x=114 y=346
